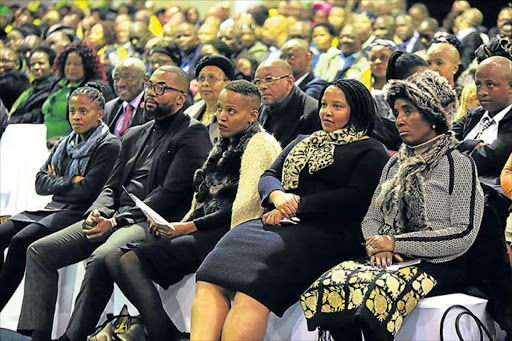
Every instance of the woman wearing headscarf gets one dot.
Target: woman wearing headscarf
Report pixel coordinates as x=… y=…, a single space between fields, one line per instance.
x=428 y=206
x=323 y=183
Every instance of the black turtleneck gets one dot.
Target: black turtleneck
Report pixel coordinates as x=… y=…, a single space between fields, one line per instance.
x=150 y=150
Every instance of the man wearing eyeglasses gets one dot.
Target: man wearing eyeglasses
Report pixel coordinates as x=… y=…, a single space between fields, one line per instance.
x=127 y=110
x=286 y=110
x=157 y=163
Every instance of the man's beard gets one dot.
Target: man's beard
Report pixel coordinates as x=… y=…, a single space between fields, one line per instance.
x=159 y=110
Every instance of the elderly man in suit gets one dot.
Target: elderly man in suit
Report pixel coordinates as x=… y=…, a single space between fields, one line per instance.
x=297 y=53
x=127 y=110
x=286 y=111
x=157 y=163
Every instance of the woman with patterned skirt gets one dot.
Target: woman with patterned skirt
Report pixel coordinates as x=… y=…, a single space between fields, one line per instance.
x=428 y=206
x=322 y=182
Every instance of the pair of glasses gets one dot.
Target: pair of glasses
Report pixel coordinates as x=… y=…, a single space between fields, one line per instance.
x=210 y=79
x=160 y=88
x=267 y=80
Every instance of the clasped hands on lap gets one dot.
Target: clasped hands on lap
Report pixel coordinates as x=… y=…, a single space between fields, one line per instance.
x=380 y=249
x=286 y=206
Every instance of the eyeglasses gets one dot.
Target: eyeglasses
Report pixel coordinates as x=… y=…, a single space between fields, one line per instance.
x=211 y=79
x=160 y=88
x=267 y=80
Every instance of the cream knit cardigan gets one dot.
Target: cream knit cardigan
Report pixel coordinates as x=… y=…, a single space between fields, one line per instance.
x=260 y=153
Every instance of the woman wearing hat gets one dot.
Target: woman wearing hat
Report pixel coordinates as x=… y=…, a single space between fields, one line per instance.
x=427 y=206
x=212 y=73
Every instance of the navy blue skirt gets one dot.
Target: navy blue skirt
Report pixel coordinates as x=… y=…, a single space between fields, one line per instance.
x=275 y=264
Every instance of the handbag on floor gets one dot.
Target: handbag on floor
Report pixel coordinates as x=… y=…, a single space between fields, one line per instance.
x=122 y=327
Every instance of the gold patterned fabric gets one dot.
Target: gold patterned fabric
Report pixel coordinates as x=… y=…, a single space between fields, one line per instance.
x=317 y=151
x=377 y=299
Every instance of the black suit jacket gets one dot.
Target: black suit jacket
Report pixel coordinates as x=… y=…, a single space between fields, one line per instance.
x=169 y=187
x=114 y=109
x=297 y=114
x=312 y=85
x=491 y=158
x=30 y=111
x=469 y=44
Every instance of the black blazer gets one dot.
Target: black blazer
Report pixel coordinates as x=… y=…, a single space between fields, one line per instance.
x=491 y=158
x=296 y=114
x=79 y=196
x=29 y=111
x=312 y=85
x=469 y=44
x=114 y=109
x=169 y=188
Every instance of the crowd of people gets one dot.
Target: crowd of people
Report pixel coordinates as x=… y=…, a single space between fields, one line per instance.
x=297 y=149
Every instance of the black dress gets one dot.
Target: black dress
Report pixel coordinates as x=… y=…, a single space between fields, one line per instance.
x=275 y=264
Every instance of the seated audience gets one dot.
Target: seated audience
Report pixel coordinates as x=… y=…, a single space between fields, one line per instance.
x=212 y=74
x=384 y=27
x=298 y=55
x=27 y=108
x=76 y=64
x=186 y=38
x=166 y=53
x=127 y=110
x=485 y=134
x=323 y=35
x=324 y=182
x=237 y=161
x=409 y=38
x=13 y=80
x=74 y=174
x=286 y=111
x=428 y=206
x=353 y=63
x=251 y=45
x=466 y=30
x=157 y=163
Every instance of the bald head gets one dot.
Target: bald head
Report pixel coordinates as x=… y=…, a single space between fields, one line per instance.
x=493 y=81
x=275 y=80
x=444 y=59
x=296 y=52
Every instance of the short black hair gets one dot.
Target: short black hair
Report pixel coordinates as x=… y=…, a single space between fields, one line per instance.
x=329 y=27
x=245 y=88
x=220 y=46
x=360 y=101
x=45 y=49
x=170 y=49
x=403 y=64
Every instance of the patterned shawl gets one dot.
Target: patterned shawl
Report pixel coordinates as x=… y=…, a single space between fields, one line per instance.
x=317 y=151
x=402 y=198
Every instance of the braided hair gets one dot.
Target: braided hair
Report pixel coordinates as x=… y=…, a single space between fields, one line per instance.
x=92 y=91
x=360 y=101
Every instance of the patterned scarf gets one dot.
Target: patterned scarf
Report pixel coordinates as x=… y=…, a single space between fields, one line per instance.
x=216 y=182
x=402 y=198
x=80 y=151
x=317 y=151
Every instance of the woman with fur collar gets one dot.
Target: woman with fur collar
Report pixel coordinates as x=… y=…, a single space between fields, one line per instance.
x=428 y=206
x=226 y=195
